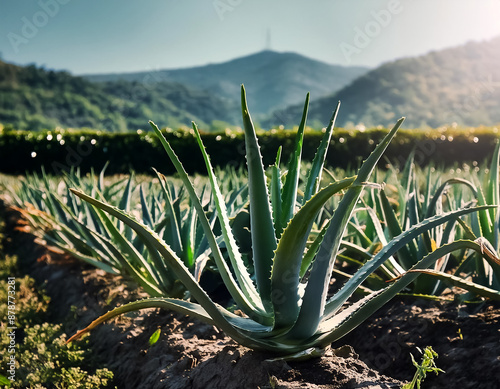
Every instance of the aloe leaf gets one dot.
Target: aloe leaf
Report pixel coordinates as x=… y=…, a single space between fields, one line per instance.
x=100 y=182
x=447 y=237
x=174 y=231
x=400 y=241
x=356 y=251
x=188 y=237
x=242 y=326
x=165 y=303
x=288 y=256
x=408 y=254
x=91 y=260
x=78 y=235
x=90 y=220
x=380 y=283
x=134 y=257
x=476 y=221
x=314 y=176
x=276 y=193
x=429 y=191
x=70 y=201
x=175 y=264
x=252 y=308
x=439 y=192
x=239 y=267
x=312 y=251
x=146 y=215
x=493 y=196
x=126 y=196
x=414 y=215
x=316 y=291
x=485 y=222
x=470 y=286
x=148 y=286
x=370 y=202
x=289 y=195
x=311 y=352
x=405 y=186
x=56 y=209
x=342 y=323
x=422 y=296
x=490 y=255
x=125 y=205
x=261 y=223
x=381 y=237
x=346 y=316
x=358 y=231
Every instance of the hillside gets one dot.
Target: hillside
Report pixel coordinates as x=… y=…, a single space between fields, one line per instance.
x=273 y=80
x=460 y=84
x=34 y=98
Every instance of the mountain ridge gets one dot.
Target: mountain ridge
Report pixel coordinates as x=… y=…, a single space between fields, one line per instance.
x=455 y=85
x=273 y=79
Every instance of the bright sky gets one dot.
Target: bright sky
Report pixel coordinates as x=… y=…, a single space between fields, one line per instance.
x=100 y=36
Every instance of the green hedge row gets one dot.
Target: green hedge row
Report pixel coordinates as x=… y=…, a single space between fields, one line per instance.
x=59 y=150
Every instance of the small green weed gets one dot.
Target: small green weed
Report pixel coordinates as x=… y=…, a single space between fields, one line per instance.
x=427 y=366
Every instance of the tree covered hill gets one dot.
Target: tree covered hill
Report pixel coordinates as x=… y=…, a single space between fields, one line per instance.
x=34 y=98
x=273 y=80
x=457 y=85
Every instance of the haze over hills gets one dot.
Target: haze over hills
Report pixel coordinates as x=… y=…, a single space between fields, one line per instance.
x=34 y=98
x=460 y=84
x=273 y=80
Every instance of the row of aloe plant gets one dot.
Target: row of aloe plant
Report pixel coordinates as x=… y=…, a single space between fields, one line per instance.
x=386 y=216
x=284 y=293
x=64 y=222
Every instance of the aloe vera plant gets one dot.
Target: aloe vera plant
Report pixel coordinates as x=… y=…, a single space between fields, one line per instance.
x=285 y=301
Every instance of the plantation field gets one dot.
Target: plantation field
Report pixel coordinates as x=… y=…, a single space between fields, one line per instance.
x=283 y=258
x=392 y=361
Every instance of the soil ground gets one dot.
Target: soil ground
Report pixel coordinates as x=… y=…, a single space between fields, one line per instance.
x=466 y=337
x=191 y=354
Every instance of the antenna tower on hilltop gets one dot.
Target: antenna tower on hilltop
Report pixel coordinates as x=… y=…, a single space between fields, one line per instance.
x=268 y=40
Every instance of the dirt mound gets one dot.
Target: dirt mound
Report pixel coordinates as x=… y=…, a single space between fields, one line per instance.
x=189 y=353
x=466 y=337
